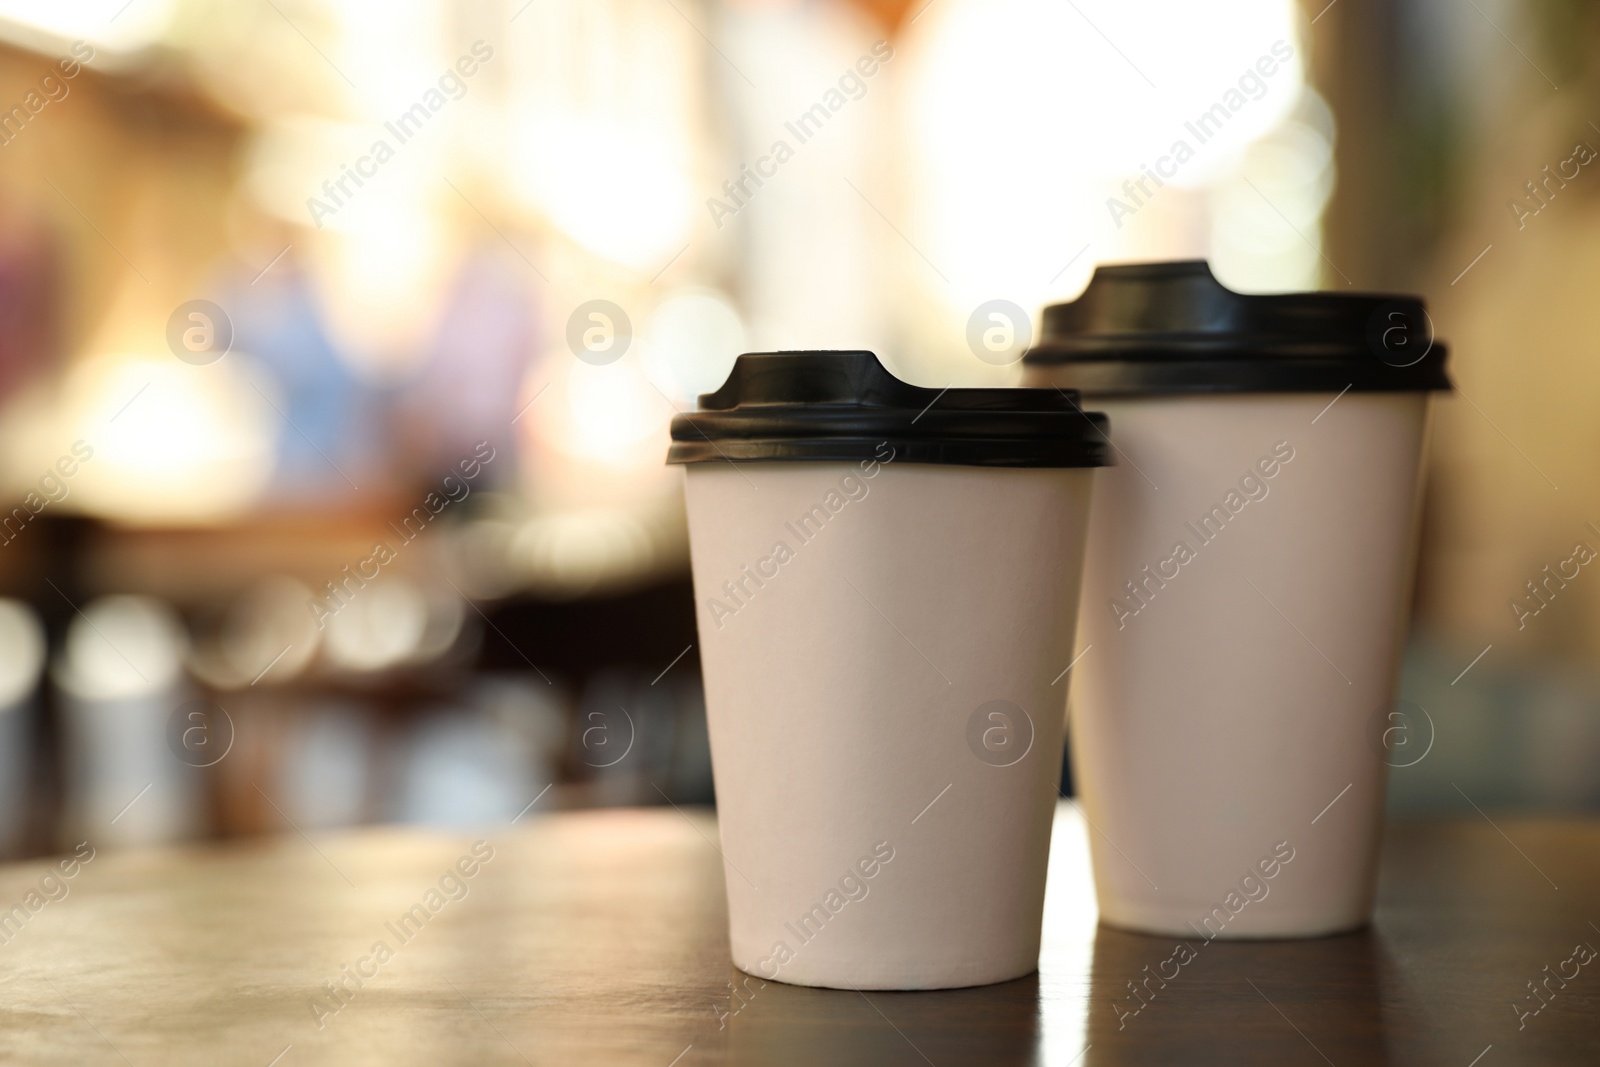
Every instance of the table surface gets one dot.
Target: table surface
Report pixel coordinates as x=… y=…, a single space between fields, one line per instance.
x=599 y=938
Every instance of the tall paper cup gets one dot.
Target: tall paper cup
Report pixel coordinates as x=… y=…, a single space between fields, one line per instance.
x=1244 y=603
x=882 y=608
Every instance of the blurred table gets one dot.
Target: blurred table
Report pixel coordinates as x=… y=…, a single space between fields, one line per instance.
x=598 y=938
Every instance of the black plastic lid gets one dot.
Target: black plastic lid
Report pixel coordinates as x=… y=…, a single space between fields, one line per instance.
x=1153 y=328
x=842 y=406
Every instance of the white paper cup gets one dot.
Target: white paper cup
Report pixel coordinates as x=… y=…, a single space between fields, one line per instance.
x=879 y=639
x=1245 y=594
x=1219 y=712
x=840 y=697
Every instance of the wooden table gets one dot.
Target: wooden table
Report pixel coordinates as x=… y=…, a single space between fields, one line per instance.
x=598 y=938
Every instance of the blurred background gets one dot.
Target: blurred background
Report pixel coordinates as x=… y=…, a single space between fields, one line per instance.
x=339 y=340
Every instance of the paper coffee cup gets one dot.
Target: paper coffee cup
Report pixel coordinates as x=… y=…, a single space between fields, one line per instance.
x=885 y=579
x=1245 y=595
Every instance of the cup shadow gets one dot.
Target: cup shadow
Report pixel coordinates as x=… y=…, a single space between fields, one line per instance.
x=786 y=1024
x=1166 y=1000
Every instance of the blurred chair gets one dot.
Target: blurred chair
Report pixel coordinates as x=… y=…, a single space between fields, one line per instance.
x=325 y=777
x=22 y=652
x=121 y=681
x=482 y=763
